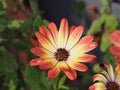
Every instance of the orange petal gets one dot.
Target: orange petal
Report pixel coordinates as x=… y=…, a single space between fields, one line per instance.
x=62 y=34
x=46 y=65
x=80 y=49
x=35 y=42
x=79 y=66
x=45 y=42
x=54 y=31
x=86 y=39
x=87 y=58
x=52 y=73
x=117 y=58
x=89 y=46
x=72 y=28
x=117 y=68
x=39 y=51
x=114 y=37
x=98 y=86
x=74 y=37
x=71 y=74
x=115 y=50
x=35 y=62
x=47 y=34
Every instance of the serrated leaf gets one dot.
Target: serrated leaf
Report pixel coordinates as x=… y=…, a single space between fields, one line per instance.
x=36 y=78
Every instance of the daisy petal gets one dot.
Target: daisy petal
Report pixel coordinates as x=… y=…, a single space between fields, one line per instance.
x=71 y=74
x=47 y=64
x=89 y=46
x=114 y=37
x=74 y=37
x=45 y=42
x=99 y=77
x=54 y=31
x=117 y=58
x=47 y=34
x=63 y=34
x=52 y=73
x=72 y=28
x=35 y=42
x=115 y=50
x=40 y=51
x=87 y=58
x=82 y=48
x=35 y=62
x=110 y=70
x=86 y=39
x=97 y=86
x=117 y=69
x=79 y=66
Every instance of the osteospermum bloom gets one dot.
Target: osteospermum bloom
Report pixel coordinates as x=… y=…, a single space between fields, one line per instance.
x=62 y=50
x=115 y=39
x=108 y=79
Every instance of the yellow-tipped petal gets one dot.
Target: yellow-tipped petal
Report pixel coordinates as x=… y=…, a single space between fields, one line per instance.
x=74 y=37
x=45 y=42
x=62 y=34
x=47 y=34
x=98 y=86
x=99 y=77
x=42 y=52
x=54 y=31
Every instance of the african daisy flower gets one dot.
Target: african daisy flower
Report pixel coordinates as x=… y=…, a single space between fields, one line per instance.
x=107 y=80
x=62 y=50
x=115 y=39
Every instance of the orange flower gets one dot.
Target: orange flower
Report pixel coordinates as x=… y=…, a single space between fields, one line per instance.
x=62 y=50
x=107 y=80
x=115 y=39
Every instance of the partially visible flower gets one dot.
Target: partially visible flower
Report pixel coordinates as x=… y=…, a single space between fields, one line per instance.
x=62 y=50
x=107 y=80
x=115 y=39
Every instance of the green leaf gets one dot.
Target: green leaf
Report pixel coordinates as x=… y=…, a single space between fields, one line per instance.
x=61 y=82
x=105 y=42
x=96 y=68
x=95 y=27
x=109 y=23
x=12 y=85
x=36 y=79
x=20 y=45
x=105 y=2
x=15 y=24
x=109 y=57
x=8 y=62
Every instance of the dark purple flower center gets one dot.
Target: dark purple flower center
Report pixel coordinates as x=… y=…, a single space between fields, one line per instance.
x=112 y=86
x=61 y=54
